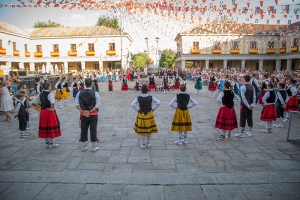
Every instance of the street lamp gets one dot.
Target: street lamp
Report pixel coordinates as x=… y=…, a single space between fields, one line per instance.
x=157 y=40
x=146 y=39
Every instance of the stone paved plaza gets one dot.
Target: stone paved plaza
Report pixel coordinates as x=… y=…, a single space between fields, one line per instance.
x=264 y=166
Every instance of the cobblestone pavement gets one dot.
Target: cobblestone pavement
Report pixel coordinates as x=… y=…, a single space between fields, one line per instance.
x=264 y=166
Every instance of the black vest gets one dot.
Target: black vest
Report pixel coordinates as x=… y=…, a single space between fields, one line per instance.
x=288 y=91
x=75 y=84
x=177 y=80
x=248 y=94
x=254 y=85
x=151 y=80
x=36 y=88
x=81 y=84
x=59 y=86
x=166 y=79
x=227 y=99
x=182 y=101
x=145 y=104
x=87 y=99
x=22 y=111
x=283 y=95
x=198 y=80
x=66 y=84
x=109 y=81
x=213 y=78
x=272 y=97
x=264 y=85
x=45 y=103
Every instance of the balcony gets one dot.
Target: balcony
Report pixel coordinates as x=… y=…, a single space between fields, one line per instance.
x=54 y=54
x=195 y=51
x=111 y=52
x=271 y=51
x=235 y=51
x=27 y=54
x=72 y=53
x=90 y=53
x=3 y=51
x=253 y=51
x=282 y=50
x=294 y=49
x=38 y=54
x=217 y=51
x=16 y=53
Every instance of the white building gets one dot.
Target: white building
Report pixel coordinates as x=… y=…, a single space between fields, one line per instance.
x=64 y=49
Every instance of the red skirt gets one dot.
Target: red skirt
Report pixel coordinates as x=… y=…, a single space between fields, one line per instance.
x=212 y=86
x=49 y=124
x=176 y=86
x=262 y=93
x=292 y=104
x=124 y=87
x=152 y=86
x=268 y=113
x=226 y=119
x=79 y=88
x=111 y=87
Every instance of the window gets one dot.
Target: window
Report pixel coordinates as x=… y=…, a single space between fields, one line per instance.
x=73 y=47
x=91 y=47
x=25 y=47
x=195 y=45
x=112 y=46
x=55 y=48
x=235 y=45
x=283 y=44
x=217 y=45
x=0 y=44
x=271 y=45
x=252 y=45
x=14 y=46
x=39 y=48
x=295 y=43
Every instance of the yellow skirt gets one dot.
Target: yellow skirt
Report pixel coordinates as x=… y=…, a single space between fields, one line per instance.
x=65 y=94
x=181 y=121
x=145 y=125
x=58 y=95
x=37 y=108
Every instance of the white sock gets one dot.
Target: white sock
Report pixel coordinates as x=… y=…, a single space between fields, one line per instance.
x=84 y=144
x=287 y=116
x=93 y=144
x=223 y=132
x=267 y=125
x=58 y=103
x=185 y=134
x=50 y=140
x=270 y=124
x=144 y=139
x=229 y=132
x=180 y=135
x=148 y=139
x=278 y=120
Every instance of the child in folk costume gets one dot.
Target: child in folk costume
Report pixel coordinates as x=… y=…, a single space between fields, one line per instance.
x=152 y=84
x=110 y=85
x=58 y=92
x=226 y=118
x=198 y=84
x=264 y=86
x=124 y=85
x=281 y=104
x=49 y=126
x=212 y=87
x=292 y=104
x=81 y=84
x=137 y=85
x=235 y=86
x=65 y=91
x=145 y=124
x=20 y=112
x=176 y=85
x=269 y=113
x=166 y=83
x=254 y=83
x=74 y=85
x=181 y=119
x=95 y=83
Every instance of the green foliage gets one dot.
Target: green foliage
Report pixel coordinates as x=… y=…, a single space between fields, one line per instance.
x=48 y=24
x=140 y=60
x=112 y=23
x=167 y=59
x=118 y=65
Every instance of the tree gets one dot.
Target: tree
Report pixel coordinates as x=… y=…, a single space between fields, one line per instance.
x=140 y=60
x=48 y=24
x=112 y=23
x=167 y=58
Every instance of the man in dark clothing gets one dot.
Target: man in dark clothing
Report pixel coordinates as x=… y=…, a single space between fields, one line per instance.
x=88 y=102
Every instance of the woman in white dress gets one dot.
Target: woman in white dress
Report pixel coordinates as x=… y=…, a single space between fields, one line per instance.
x=6 y=102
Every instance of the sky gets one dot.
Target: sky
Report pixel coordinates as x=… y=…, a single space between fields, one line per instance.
x=141 y=25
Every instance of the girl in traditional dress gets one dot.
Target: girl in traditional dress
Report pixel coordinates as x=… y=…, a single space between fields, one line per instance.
x=74 y=85
x=226 y=118
x=177 y=80
x=181 y=119
x=137 y=85
x=198 y=84
x=269 y=113
x=58 y=92
x=49 y=127
x=165 y=83
x=145 y=124
x=124 y=85
x=110 y=85
x=264 y=87
x=292 y=104
x=281 y=104
x=95 y=83
x=65 y=91
x=152 y=84
x=81 y=84
x=212 y=87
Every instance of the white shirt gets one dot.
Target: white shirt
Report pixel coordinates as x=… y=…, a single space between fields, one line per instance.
x=192 y=102
x=243 y=90
x=56 y=84
x=282 y=101
x=50 y=98
x=154 y=100
x=19 y=105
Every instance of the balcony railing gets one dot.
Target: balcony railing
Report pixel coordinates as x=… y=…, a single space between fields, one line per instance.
x=16 y=53
x=271 y=51
x=38 y=54
x=217 y=51
x=282 y=50
x=3 y=51
x=294 y=49
x=90 y=53
x=27 y=54
x=234 y=51
x=54 y=54
x=195 y=51
x=253 y=51
x=72 y=53
x=111 y=52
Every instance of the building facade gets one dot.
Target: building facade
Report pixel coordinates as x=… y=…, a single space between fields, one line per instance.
x=63 y=49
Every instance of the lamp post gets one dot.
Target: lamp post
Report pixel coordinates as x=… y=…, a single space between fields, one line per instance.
x=157 y=40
